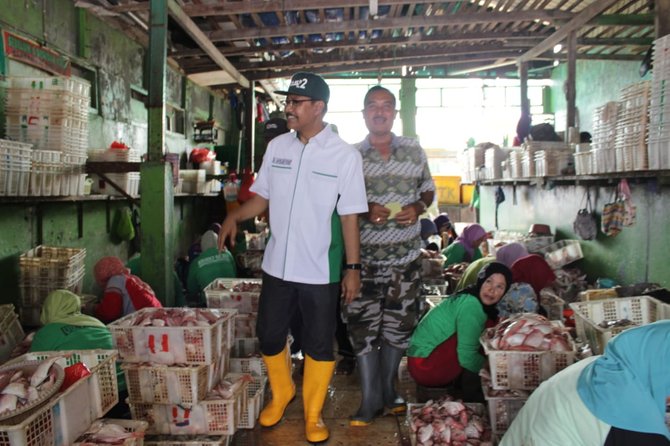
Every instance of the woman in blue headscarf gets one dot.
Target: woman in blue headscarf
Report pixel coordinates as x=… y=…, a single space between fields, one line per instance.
x=616 y=399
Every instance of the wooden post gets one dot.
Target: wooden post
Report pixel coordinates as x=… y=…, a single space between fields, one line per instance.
x=570 y=92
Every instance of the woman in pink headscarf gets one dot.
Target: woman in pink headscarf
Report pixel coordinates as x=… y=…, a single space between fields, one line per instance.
x=466 y=247
x=124 y=292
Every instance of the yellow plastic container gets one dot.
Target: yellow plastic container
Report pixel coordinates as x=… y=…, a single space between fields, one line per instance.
x=448 y=189
x=466 y=193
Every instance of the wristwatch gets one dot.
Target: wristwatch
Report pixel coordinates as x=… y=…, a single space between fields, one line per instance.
x=353 y=266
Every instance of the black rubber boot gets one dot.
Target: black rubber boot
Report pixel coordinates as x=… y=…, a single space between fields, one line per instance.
x=390 y=360
x=372 y=404
x=471 y=385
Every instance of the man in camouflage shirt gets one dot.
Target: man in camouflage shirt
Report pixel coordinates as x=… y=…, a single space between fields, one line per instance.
x=380 y=321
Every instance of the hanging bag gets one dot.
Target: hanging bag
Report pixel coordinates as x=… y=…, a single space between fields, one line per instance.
x=611 y=222
x=585 y=225
x=630 y=210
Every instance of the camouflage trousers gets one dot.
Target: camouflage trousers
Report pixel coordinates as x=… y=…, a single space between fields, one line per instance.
x=388 y=308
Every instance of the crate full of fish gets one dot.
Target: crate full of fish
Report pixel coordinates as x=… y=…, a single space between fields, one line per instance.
x=218 y=414
x=187 y=440
x=255 y=400
x=600 y=320
x=239 y=294
x=525 y=350
x=110 y=431
x=102 y=365
x=504 y=405
x=168 y=336
x=449 y=423
x=68 y=413
x=163 y=384
x=11 y=331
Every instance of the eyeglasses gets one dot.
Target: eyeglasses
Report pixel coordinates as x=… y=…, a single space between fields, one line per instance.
x=294 y=102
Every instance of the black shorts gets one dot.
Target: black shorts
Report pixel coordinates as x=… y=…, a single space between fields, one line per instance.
x=317 y=305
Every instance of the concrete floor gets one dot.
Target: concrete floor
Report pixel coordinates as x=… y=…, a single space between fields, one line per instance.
x=343 y=400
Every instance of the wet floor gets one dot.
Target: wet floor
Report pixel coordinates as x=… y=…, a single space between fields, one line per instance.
x=343 y=400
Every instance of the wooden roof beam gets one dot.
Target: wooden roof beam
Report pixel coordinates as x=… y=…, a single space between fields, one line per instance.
x=199 y=37
x=577 y=22
x=388 y=23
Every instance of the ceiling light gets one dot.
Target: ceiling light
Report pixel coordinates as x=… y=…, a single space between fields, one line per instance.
x=556 y=62
x=557 y=48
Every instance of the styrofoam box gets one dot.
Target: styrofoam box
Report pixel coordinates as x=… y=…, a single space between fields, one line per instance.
x=68 y=414
x=135 y=426
x=209 y=417
x=172 y=345
x=161 y=384
x=641 y=310
x=11 y=331
x=513 y=369
x=477 y=408
x=255 y=400
x=502 y=409
x=187 y=440
x=219 y=294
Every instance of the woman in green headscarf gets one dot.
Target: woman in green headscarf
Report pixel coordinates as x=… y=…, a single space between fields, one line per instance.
x=65 y=328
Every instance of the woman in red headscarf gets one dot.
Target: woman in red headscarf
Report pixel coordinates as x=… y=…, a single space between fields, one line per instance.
x=124 y=292
x=530 y=275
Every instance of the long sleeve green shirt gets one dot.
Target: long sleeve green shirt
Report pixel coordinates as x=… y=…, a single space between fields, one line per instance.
x=462 y=315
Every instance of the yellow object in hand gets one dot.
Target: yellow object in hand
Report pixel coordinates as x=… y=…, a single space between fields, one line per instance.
x=394 y=207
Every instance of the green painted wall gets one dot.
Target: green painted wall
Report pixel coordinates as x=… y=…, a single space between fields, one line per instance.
x=639 y=253
x=597 y=82
x=118 y=62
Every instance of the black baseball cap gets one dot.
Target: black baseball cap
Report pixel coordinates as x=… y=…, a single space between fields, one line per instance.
x=308 y=84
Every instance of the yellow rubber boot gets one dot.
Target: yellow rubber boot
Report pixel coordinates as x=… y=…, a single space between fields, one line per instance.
x=282 y=386
x=314 y=390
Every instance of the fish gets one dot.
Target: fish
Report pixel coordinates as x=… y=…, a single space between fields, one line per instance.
x=16 y=388
x=8 y=402
x=616 y=323
x=528 y=332
x=449 y=423
x=106 y=432
x=42 y=371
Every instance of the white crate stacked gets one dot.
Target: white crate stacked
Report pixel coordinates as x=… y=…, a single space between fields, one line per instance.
x=11 y=331
x=129 y=182
x=44 y=269
x=515 y=374
x=659 y=107
x=68 y=414
x=243 y=295
x=603 y=152
x=598 y=321
x=15 y=162
x=51 y=113
x=631 y=128
x=171 y=369
x=553 y=162
x=530 y=150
